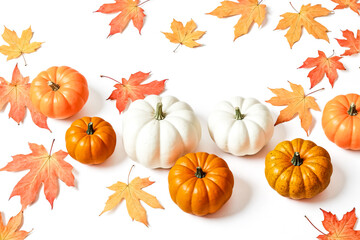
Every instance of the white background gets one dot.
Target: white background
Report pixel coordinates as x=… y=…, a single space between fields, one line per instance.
x=75 y=36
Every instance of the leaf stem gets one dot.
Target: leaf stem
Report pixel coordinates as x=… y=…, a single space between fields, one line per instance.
x=333 y=53
x=102 y=76
x=314 y=225
x=294 y=8
x=52 y=144
x=24 y=59
x=314 y=91
x=177 y=47
x=129 y=174
x=142 y=3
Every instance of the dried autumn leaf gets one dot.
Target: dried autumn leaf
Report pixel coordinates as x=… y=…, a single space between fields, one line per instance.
x=44 y=168
x=304 y=18
x=133 y=89
x=350 y=42
x=184 y=35
x=352 y=4
x=250 y=10
x=17 y=94
x=11 y=230
x=297 y=103
x=129 y=10
x=133 y=193
x=323 y=65
x=18 y=46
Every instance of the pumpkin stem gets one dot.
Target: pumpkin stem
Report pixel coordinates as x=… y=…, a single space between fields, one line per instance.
x=199 y=173
x=159 y=115
x=238 y=114
x=352 y=110
x=296 y=160
x=54 y=86
x=90 y=130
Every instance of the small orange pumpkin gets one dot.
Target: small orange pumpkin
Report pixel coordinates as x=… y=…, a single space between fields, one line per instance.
x=200 y=183
x=341 y=121
x=90 y=140
x=298 y=169
x=59 y=92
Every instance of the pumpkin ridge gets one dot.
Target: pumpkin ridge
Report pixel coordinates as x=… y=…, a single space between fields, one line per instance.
x=206 y=178
x=218 y=175
x=317 y=177
x=189 y=160
x=275 y=182
x=337 y=127
x=290 y=175
x=178 y=133
x=138 y=132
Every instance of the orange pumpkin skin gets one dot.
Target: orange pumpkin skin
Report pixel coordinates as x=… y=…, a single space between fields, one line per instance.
x=90 y=140
x=59 y=92
x=200 y=183
x=341 y=121
x=298 y=169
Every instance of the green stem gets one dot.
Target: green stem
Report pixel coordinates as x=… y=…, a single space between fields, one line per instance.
x=296 y=160
x=54 y=86
x=199 y=173
x=90 y=130
x=238 y=114
x=352 y=110
x=159 y=115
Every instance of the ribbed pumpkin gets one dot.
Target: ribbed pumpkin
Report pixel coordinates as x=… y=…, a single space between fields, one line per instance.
x=341 y=121
x=90 y=140
x=298 y=169
x=59 y=92
x=200 y=183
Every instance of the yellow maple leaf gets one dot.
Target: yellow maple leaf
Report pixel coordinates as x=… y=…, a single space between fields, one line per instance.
x=133 y=193
x=184 y=35
x=18 y=46
x=250 y=10
x=12 y=231
x=304 y=18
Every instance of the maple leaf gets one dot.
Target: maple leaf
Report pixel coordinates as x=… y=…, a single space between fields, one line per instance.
x=323 y=65
x=133 y=89
x=129 y=10
x=132 y=193
x=11 y=230
x=352 y=4
x=350 y=42
x=250 y=10
x=297 y=103
x=184 y=35
x=18 y=46
x=44 y=168
x=304 y=18
x=17 y=94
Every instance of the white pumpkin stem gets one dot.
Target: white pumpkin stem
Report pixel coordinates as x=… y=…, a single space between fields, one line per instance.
x=296 y=160
x=238 y=114
x=159 y=115
x=54 y=86
x=352 y=110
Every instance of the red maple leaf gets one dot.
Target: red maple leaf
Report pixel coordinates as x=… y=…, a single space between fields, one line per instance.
x=352 y=4
x=350 y=42
x=133 y=89
x=323 y=65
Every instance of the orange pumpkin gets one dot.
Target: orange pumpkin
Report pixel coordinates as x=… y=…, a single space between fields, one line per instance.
x=200 y=183
x=298 y=169
x=341 y=121
x=59 y=92
x=90 y=140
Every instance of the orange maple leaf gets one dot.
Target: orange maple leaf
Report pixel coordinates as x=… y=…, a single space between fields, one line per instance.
x=11 y=230
x=304 y=18
x=17 y=94
x=44 y=168
x=184 y=35
x=350 y=42
x=352 y=4
x=297 y=103
x=250 y=10
x=133 y=193
x=133 y=89
x=129 y=10
x=323 y=65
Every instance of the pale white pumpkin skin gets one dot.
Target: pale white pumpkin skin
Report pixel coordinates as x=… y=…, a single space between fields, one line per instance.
x=159 y=143
x=241 y=137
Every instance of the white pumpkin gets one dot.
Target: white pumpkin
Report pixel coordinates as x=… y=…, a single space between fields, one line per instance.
x=241 y=126
x=159 y=130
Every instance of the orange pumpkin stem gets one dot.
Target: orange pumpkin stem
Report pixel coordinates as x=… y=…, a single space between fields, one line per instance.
x=159 y=115
x=90 y=130
x=54 y=86
x=352 y=110
x=238 y=114
x=296 y=160
x=200 y=173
